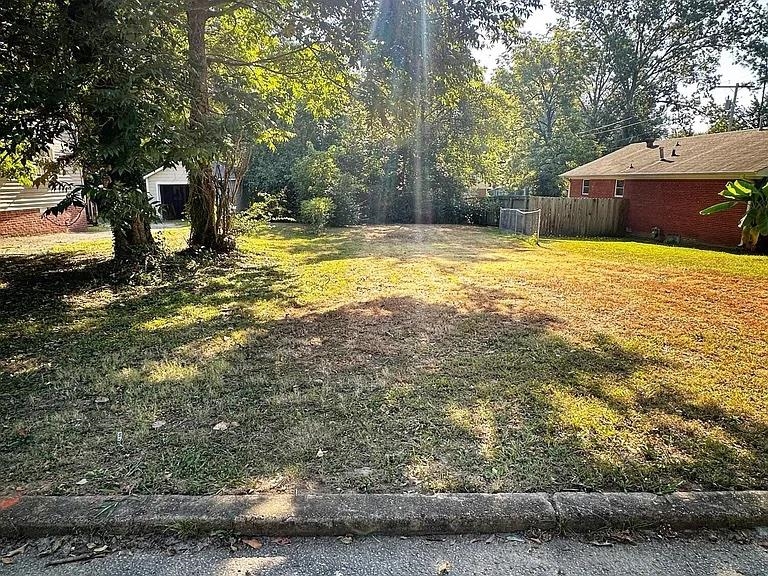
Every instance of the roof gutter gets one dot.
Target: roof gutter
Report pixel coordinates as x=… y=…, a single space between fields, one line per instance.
x=703 y=176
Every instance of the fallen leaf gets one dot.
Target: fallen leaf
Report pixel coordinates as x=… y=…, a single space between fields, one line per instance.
x=53 y=549
x=9 y=502
x=491 y=539
x=101 y=400
x=444 y=567
x=157 y=424
x=346 y=539
x=254 y=543
x=221 y=426
x=282 y=541
x=100 y=549
x=82 y=482
x=6 y=560
x=602 y=544
x=320 y=453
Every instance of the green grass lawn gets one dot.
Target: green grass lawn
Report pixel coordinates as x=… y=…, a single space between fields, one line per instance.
x=384 y=358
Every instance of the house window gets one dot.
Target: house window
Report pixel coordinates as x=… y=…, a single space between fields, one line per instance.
x=619 y=192
x=585 y=187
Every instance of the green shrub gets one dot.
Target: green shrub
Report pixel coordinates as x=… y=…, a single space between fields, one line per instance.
x=315 y=174
x=268 y=208
x=318 y=175
x=481 y=211
x=345 y=195
x=317 y=212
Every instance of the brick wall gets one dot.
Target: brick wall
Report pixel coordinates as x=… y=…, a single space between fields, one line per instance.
x=31 y=223
x=673 y=206
x=597 y=189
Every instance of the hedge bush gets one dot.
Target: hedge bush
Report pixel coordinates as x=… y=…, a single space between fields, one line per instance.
x=317 y=212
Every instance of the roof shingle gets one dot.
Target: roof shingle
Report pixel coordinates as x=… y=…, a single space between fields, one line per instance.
x=742 y=154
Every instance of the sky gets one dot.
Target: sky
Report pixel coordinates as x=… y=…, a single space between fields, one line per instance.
x=730 y=72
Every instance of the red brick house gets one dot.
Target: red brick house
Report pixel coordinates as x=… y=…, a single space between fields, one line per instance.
x=667 y=182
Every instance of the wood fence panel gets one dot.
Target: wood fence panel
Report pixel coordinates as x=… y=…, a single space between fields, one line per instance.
x=580 y=217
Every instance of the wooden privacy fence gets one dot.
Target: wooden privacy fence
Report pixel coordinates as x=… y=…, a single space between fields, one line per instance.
x=581 y=217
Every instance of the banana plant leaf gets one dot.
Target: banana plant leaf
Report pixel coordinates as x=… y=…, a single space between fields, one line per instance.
x=761 y=222
x=739 y=190
x=722 y=206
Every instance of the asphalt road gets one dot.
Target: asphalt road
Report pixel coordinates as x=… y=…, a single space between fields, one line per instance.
x=721 y=554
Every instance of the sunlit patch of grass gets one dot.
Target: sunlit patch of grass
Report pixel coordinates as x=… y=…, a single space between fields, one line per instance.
x=170 y=371
x=587 y=416
x=385 y=358
x=478 y=420
x=183 y=317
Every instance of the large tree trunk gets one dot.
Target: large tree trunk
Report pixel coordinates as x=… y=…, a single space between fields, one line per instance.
x=202 y=192
x=132 y=241
x=202 y=207
x=131 y=232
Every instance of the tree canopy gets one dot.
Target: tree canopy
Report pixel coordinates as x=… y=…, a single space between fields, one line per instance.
x=377 y=105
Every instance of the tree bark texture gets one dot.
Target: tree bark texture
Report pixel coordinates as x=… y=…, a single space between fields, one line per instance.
x=202 y=192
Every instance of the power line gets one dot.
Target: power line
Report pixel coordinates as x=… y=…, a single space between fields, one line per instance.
x=605 y=125
x=596 y=131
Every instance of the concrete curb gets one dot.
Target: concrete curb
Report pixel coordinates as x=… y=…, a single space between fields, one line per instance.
x=402 y=514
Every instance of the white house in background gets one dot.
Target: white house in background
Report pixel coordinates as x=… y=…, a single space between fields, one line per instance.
x=168 y=188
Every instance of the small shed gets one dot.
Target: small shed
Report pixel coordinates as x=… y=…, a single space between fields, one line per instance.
x=168 y=188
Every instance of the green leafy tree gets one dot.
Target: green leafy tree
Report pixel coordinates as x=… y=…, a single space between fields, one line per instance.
x=318 y=174
x=270 y=170
x=254 y=66
x=316 y=212
x=546 y=77
x=416 y=80
x=90 y=73
x=748 y=117
x=420 y=127
x=749 y=21
x=645 y=51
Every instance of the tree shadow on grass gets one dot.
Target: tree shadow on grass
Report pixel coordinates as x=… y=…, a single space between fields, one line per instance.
x=36 y=284
x=68 y=336
x=386 y=394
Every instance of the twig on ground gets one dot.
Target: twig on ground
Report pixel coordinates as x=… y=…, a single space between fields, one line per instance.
x=71 y=559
